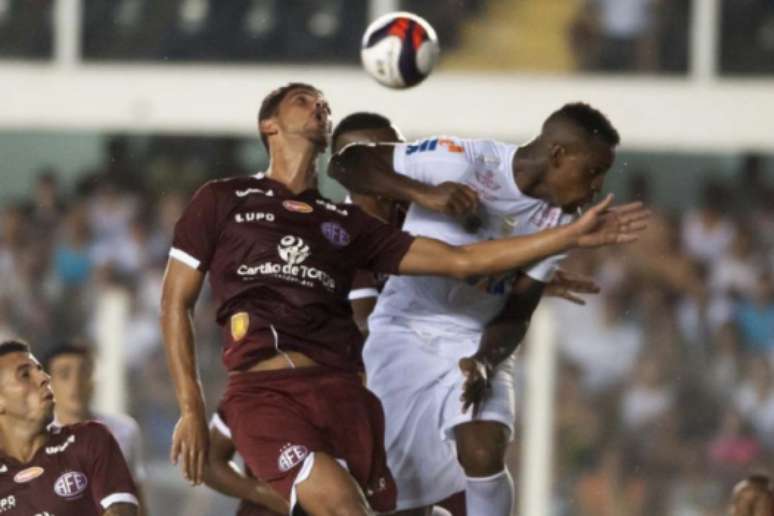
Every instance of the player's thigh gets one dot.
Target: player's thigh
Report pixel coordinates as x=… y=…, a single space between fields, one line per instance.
x=481 y=446
x=329 y=490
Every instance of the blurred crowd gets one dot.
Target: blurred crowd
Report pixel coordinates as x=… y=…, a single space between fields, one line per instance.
x=650 y=36
x=665 y=393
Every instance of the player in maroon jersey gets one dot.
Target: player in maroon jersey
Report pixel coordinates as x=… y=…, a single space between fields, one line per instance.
x=753 y=496
x=74 y=470
x=281 y=260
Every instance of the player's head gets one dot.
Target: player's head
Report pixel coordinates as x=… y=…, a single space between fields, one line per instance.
x=580 y=142
x=71 y=367
x=364 y=127
x=753 y=496
x=295 y=110
x=25 y=388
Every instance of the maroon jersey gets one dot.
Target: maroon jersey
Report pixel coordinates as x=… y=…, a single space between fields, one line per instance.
x=370 y=284
x=80 y=471
x=281 y=265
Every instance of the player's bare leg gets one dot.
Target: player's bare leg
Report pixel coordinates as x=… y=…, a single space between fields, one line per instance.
x=481 y=449
x=329 y=490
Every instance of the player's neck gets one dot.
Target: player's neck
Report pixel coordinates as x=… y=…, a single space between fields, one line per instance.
x=294 y=164
x=71 y=418
x=529 y=168
x=22 y=441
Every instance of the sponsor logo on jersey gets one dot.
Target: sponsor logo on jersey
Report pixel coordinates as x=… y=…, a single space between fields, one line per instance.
x=332 y=207
x=71 y=484
x=433 y=144
x=45 y=513
x=50 y=450
x=250 y=191
x=28 y=474
x=488 y=179
x=335 y=233
x=7 y=503
x=297 y=206
x=377 y=487
x=254 y=216
x=240 y=322
x=293 y=251
x=290 y=456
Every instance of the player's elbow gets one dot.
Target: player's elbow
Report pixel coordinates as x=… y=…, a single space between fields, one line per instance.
x=462 y=265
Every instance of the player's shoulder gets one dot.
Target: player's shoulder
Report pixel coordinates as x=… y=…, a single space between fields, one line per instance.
x=86 y=430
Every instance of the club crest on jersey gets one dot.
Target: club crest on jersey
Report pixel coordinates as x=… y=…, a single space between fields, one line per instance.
x=240 y=322
x=291 y=455
x=71 y=484
x=335 y=233
x=28 y=474
x=488 y=179
x=297 y=206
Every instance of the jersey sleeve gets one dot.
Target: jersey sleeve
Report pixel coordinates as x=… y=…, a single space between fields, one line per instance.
x=196 y=233
x=377 y=246
x=109 y=479
x=431 y=161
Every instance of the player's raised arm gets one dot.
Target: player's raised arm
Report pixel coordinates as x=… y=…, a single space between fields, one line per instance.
x=180 y=290
x=601 y=225
x=368 y=169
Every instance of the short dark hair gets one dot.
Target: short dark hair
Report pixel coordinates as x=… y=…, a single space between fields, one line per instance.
x=271 y=103
x=14 y=346
x=68 y=348
x=591 y=120
x=360 y=121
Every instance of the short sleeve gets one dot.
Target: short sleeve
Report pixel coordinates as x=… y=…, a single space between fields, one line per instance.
x=431 y=161
x=544 y=270
x=363 y=286
x=109 y=479
x=378 y=247
x=196 y=232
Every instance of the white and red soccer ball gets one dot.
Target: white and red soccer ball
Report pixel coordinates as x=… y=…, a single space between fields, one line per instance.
x=399 y=50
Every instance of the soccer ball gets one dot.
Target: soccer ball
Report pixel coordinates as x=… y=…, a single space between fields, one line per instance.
x=399 y=50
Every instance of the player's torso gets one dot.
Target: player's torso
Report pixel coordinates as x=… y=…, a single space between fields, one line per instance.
x=504 y=212
x=294 y=243
x=55 y=483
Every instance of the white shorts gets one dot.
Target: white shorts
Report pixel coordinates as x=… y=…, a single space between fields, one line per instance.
x=415 y=375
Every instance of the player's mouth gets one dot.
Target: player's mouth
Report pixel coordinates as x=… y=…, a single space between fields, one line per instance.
x=48 y=396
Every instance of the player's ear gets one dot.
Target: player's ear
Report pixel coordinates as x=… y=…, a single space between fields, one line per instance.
x=268 y=127
x=557 y=154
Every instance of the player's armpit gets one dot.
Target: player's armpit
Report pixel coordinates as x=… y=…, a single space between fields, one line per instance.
x=121 y=509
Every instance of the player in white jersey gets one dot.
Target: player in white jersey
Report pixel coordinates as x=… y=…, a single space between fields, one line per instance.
x=427 y=356
x=71 y=366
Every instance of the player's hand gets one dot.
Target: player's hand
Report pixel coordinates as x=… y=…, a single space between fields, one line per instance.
x=567 y=285
x=605 y=225
x=476 y=387
x=750 y=498
x=190 y=442
x=450 y=198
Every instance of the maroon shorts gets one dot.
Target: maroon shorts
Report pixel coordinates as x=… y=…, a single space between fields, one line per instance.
x=278 y=418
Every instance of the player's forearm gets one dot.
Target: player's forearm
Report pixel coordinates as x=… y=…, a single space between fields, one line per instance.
x=226 y=479
x=429 y=256
x=367 y=169
x=500 y=340
x=121 y=509
x=177 y=329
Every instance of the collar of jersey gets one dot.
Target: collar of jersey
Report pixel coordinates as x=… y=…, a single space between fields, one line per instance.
x=282 y=190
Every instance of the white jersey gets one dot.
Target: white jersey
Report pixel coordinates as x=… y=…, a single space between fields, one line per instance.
x=485 y=166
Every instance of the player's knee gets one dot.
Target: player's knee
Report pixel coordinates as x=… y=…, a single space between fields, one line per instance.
x=330 y=491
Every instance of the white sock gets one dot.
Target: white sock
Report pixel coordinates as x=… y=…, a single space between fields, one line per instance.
x=489 y=496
